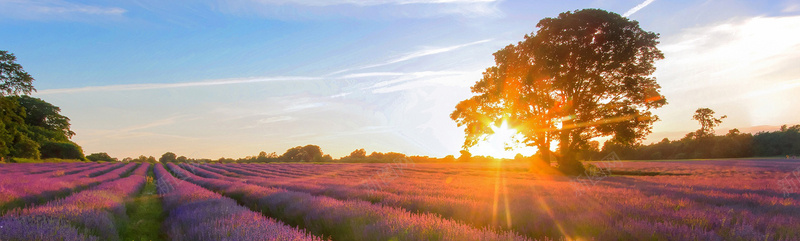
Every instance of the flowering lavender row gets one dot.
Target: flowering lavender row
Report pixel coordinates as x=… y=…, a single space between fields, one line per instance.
x=87 y=215
x=38 y=168
x=346 y=220
x=20 y=190
x=721 y=200
x=199 y=214
x=46 y=172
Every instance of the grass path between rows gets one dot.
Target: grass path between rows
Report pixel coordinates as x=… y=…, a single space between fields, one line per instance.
x=145 y=214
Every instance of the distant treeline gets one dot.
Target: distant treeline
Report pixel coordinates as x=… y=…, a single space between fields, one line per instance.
x=734 y=144
x=302 y=154
x=694 y=145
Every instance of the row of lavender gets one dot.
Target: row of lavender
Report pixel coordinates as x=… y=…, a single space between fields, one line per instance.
x=37 y=168
x=18 y=189
x=711 y=207
x=342 y=220
x=199 y=214
x=94 y=214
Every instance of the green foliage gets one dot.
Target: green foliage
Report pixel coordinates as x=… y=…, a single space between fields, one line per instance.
x=306 y=153
x=30 y=127
x=13 y=79
x=25 y=147
x=731 y=145
x=784 y=142
x=45 y=119
x=168 y=157
x=64 y=150
x=101 y=157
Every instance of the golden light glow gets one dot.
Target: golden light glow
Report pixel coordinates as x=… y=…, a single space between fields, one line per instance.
x=502 y=144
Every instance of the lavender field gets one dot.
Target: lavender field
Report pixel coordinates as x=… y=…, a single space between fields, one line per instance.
x=660 y=200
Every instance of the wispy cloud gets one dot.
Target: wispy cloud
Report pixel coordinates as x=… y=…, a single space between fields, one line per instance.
x=170 y=85
x=412 y=55
x=53 y=9
x=135 y=131
x=319 y=3
x=376 y=9
x=637 y=8
x=427 y=78
x=741 y=67
x=275 y=119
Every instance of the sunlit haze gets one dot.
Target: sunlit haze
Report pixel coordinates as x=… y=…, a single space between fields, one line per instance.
x=211 y=79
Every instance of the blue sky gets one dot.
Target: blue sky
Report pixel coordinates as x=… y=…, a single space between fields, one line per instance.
x=232 y=78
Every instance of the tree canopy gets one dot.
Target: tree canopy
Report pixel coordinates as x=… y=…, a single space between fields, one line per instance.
x=303 y=153
x=707 y=122
x=581 y=75
x=30 y=127
x=13 y=79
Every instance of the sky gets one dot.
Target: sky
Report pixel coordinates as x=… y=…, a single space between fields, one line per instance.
x=211 y=78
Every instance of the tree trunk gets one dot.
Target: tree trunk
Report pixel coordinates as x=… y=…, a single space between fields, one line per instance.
x=567 y=162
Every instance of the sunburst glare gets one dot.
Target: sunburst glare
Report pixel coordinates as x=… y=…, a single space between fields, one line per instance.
x=504 y=143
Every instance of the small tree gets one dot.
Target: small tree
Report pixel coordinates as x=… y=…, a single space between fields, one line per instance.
x=358 y=153
x=168 y=157
x=707 y=122
x=100 y=156
x=62 y=149
x=303 y=153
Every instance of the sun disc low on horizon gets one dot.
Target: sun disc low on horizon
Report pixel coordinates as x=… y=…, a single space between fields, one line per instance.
x=503 y=143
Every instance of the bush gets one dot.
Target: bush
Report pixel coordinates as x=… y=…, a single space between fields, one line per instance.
x=62 y=150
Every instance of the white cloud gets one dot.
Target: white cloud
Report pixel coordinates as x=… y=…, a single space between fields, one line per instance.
x=170 y=85
x=380 y=9
x=318 y=3
x=53 y=9
x=427 y=78
x=790 y=8
x=406 y=57
x=745 y=68
x=637 y=8
x=275 y=119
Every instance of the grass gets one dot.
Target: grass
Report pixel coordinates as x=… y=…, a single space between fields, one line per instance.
x=145 y=214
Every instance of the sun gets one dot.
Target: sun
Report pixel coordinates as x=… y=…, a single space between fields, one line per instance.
x=504 y=143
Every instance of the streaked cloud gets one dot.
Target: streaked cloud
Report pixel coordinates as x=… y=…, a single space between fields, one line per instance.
x=427 y=78
x=380 y=9
x=53 y=9
x=744 y=68
x=369 y=2
x=637 y=8
x=170 y=85
x=409 y=56
x=275 y=119
x=791 y=8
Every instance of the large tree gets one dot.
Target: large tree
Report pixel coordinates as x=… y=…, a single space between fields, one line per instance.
x=30 y=127
x=582 y=75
